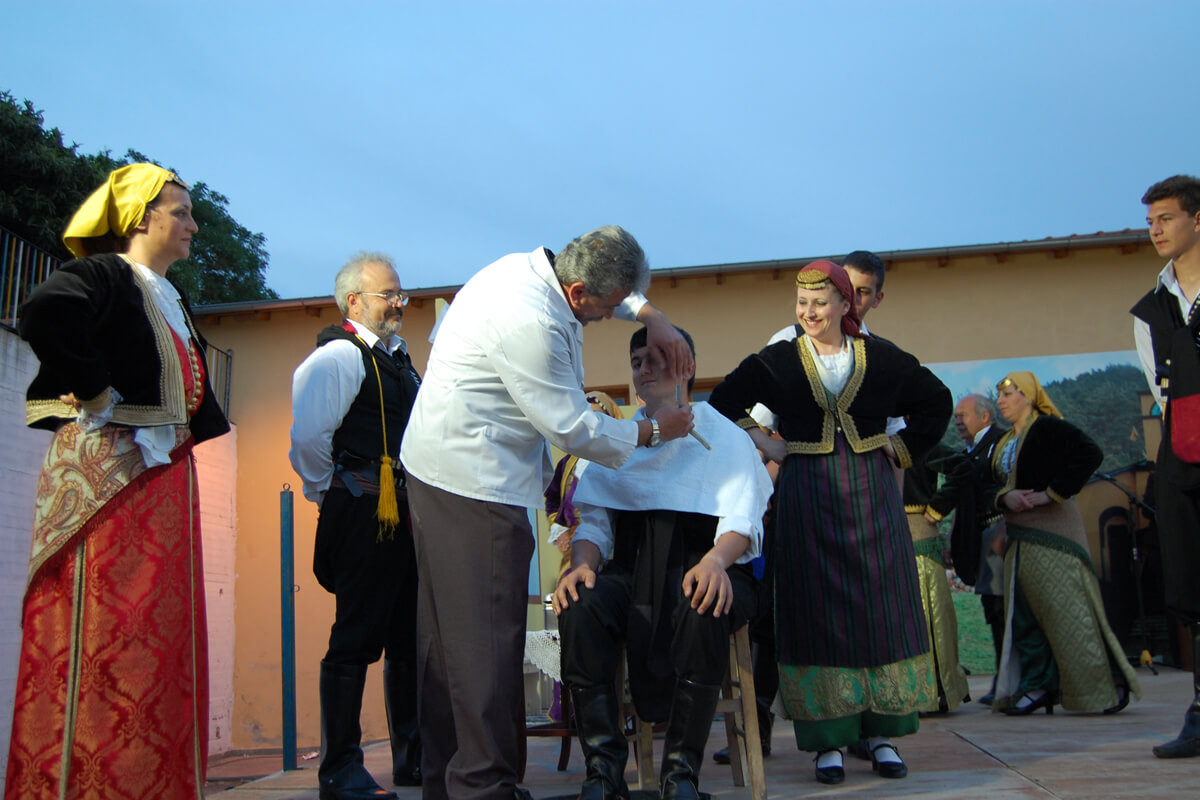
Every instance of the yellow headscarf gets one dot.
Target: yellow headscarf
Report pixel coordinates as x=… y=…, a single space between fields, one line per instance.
x=118 y=206
x=1027 y=384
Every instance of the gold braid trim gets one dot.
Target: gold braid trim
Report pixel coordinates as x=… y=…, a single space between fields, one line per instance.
x=387 y=511
x=812 y=279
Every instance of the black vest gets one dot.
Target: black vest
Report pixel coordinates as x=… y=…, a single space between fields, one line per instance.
x=1177 y=360
x=359 y=437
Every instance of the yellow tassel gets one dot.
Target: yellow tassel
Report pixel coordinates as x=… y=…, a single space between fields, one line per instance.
x=387 y=512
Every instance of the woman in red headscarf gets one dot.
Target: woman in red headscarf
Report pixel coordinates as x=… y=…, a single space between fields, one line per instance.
x=1058 y=646
x=112 y=690
x=850 y=632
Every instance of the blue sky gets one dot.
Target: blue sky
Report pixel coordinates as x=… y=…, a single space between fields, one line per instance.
x=451 y=133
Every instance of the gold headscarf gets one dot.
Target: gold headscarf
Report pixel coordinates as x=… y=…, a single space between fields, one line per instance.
x=1027 y=384
x=118 y=206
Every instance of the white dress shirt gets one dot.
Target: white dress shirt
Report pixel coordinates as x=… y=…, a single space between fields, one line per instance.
x=729 y=483
x=1141 y=330
x=323 y=388
x=504 y=376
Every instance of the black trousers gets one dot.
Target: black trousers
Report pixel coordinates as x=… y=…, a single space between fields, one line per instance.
x=1178 y=516
x=473 y=558
x=594 y=629
x=374 y=582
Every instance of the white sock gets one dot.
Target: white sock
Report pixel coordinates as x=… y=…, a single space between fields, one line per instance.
x=830 y=758
x=1029 y=698
x=886 y=754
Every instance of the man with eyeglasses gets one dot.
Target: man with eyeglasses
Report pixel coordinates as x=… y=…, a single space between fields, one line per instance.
x=344 y=445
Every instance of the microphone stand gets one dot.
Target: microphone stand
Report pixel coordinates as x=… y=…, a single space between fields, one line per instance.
x=1138 y=565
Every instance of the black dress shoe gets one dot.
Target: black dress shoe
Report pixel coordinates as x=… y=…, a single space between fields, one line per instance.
x=834 y=773
x=1122 y=697
x=888 y=769
x=1178 y=748
x=987 y=699
x=1046 y=701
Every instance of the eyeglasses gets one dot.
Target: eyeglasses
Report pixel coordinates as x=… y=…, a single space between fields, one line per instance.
x=390 y=297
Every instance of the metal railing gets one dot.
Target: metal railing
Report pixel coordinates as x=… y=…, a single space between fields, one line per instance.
x=22 y=267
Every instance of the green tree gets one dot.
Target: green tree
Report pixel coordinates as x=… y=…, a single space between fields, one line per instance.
x=43 y=181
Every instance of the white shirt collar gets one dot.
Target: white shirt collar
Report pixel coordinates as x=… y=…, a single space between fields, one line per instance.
x=979 y=435
x=392 y=344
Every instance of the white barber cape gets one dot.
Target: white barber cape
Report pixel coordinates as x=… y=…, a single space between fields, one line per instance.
x=729 y=483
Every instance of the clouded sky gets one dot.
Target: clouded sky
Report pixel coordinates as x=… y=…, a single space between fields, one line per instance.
x=451 y=133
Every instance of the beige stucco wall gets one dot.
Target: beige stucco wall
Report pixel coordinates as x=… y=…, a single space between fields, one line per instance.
x=972 y=308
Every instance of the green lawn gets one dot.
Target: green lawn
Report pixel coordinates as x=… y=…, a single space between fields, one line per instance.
x=975 y=650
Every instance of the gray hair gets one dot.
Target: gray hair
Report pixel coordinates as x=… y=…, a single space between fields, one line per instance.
x=605 y=260
x=985 y=405
x=349 y=277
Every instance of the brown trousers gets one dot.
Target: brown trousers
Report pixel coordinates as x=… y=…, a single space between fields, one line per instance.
x=473 y=566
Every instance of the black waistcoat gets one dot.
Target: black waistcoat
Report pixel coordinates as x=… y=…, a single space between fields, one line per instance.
x=359 y=436
x=1177 y=359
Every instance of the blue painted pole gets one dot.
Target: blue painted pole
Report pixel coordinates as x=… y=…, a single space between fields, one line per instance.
x=287 y=599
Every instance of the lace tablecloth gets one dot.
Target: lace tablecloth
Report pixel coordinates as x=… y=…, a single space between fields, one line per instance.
x=543 y=650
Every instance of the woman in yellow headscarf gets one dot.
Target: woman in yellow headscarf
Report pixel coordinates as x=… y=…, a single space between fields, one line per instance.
x=112 y=692
x=1058 y=646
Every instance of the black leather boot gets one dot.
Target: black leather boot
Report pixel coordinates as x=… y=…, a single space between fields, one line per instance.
x=692 y=711
x=342 y=775
x=766 y=721
x=1187 y=743
x=400 y=700
x=605 y=751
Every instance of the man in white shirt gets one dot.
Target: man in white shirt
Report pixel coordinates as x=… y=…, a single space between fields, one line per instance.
x=659 y=565
x=343 y=446
x=505 y=377
x=1166 y=327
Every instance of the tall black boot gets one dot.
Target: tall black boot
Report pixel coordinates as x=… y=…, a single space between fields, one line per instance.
x=400 y=700
x=342 y=775
x=605 y=751
x=1187 y=743
x=692 y=711
x=765 y=723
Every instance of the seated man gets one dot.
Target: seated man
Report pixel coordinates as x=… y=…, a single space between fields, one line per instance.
x=660 y=563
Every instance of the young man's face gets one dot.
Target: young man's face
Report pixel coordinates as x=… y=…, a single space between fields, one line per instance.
x=866 y=291
x=1173 y=231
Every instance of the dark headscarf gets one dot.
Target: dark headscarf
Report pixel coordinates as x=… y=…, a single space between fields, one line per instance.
x=817 y=274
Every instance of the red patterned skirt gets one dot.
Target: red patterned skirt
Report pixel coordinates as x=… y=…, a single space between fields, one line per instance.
x=112 y=694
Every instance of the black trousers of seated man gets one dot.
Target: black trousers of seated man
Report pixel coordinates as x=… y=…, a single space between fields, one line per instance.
x=373 y=578
x=677 y=657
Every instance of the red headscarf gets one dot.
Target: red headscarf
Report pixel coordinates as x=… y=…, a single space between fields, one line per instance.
x=841 y=281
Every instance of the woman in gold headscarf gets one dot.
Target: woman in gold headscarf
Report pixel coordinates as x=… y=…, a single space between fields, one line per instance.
x=851 y=637
x=112 y=690
x=1058 y=647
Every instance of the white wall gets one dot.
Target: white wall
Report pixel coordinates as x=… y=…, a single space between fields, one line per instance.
x=23 y=450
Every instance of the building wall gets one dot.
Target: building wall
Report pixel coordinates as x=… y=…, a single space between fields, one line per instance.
x=971 y=308
x=24 y=450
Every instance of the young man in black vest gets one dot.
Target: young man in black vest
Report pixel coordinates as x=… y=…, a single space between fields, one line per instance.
x=351 y=400
x=1165 y=329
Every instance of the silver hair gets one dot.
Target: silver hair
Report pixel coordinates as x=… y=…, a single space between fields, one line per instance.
x=985 y=405
x=605 y=260
x=349 y=277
